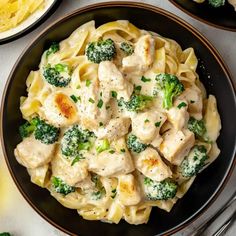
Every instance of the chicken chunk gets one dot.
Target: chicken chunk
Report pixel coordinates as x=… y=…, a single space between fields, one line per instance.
x=71 y=174
x=150 y=164
x=111 y=79
x=146 y=125
x=127 y=190
x=115 y=129
x=176 y=145
x=111 y=164
x=60 y=110
x=193 y=97
x=178 y=115
x=32 y=153
x=90 y=114
x=142 y=57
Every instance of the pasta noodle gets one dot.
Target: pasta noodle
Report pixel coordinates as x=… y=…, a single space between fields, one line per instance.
x=13 y=12
x=110 y=143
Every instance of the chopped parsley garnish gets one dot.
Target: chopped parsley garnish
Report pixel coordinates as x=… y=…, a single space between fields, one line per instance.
x=100 y=124
x=91 y=100
x=144 y=79
x=112 y=151
x=88 y=82
x=138 y=88
x=122 y=150
x=100 y=103
x=146 y=121
x=182 y=104
x=114 y=94
x=76 y=159
x=113 y=193
x=157 y=124
x=74 y=98
x=191 y=101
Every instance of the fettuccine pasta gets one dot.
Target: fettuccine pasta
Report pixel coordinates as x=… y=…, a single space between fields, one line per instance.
x=118 y=122
x=13 y=12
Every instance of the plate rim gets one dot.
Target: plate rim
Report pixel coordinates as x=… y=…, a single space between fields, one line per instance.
x=35 y=24
x=226 y=28
x=167 y=14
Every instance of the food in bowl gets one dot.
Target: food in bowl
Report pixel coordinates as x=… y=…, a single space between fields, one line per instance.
x=13 y=12
x=218 y=3
x=117 y=122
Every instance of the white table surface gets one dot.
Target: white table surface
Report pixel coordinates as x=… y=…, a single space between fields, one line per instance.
x=16 y=216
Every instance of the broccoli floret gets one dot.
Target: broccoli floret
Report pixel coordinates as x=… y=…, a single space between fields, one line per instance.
x=74 y=140
x=53 y=49
x=216 y=3
x=102 y=50
x=170 y=86
x=127 y=48
x=44 y=132
x=5 y=234
x=198 y=128
x=134 y=144
x=138 y=102
x=27 y=128
x=61 y=187
x=194 y=162
x=58 y=76
x=166 y=189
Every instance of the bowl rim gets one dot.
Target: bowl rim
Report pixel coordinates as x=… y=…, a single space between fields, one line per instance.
x=227 y=28
x=138 y=5
x=35 y=24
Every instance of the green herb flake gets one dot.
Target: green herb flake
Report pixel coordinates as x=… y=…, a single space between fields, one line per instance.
x=100 y=103
x=114 y=94
x=108 y=107
x=146 y=121
x=138 y=88
x=91 y=100
x=113 y=191
x=112 y=151
x=74 y=98
x=157 y=124
x=77 y=159
x=88 y=82
x=122 y=150
x=144 y=79
x=100 y=124
x=191 y=101
x=182 y=104
x=105 y=145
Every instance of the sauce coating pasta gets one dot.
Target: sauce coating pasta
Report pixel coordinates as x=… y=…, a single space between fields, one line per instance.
x=118 y=122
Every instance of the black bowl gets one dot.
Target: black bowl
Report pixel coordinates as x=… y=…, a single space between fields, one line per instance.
x=223 y=17
x=208 y=184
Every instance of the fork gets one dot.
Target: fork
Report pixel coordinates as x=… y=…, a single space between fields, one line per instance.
x=205 y=225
